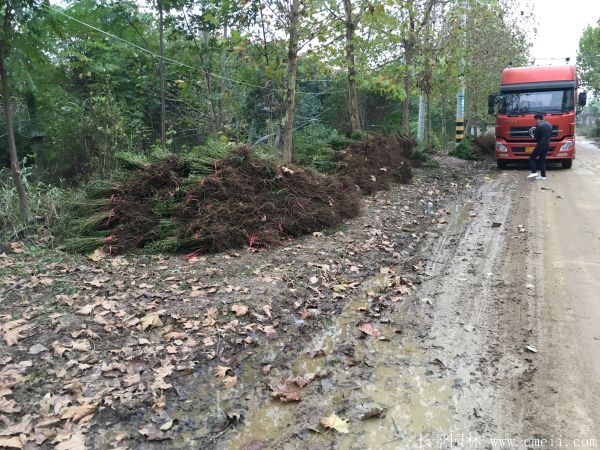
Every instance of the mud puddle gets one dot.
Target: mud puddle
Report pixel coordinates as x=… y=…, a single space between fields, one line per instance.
x=390 y=374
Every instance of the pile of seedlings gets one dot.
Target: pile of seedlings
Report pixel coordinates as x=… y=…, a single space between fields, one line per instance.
x=208 y=203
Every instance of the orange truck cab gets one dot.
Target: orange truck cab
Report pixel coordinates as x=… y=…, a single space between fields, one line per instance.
x=525 y=91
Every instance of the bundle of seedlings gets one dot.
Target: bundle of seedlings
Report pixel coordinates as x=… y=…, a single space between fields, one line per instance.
x=128 y=214
x=376 y=162
x=252 y=202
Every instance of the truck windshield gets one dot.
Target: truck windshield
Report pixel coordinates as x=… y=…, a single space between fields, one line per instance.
x=549 y=101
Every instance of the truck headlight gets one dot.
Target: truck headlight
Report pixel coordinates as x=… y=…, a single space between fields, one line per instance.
x=566 y=146
x=501 y=147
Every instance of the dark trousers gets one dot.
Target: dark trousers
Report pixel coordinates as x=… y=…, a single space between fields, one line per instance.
x=541 y=153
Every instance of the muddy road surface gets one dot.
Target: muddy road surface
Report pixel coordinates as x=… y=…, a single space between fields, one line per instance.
x=460 y=311
x=497 y=346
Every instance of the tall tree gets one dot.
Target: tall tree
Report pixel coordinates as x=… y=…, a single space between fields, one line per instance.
x=15 y=15
x=351 y=66
x=290 y=90
x=588 y=58
x=161 y=71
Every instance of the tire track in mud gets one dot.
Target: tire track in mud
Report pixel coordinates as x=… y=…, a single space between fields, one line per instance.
x=478 y=321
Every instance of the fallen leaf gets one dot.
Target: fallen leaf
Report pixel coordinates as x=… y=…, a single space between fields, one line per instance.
x=151 y=320
x=284 y=392
x=76 y=442
x=298 y=381
x=469 y=327
x=166 y=426
x=336 y=423
x=222 y=371
x=230 y=381
x=13 y=442
x=87 y=309
x=82 y=345
x=239 y=310
x=9 y=406
x=531 y=349
x=58 y=348
x=152 y=433
x=78 y=412
x=368 y=329
x=17 y=247
x=97 y=255
x=37 y=348
x=23 y=427
x=131 y=380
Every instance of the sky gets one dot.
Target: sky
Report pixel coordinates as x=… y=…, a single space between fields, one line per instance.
x=560 y=24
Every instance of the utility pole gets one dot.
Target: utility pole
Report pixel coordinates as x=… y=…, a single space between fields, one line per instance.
x=421 y=123
x=460 y=96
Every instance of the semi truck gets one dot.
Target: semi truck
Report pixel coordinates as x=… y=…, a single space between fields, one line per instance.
x=525 y=91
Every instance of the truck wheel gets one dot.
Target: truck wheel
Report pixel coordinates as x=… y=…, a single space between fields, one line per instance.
x=567 y=163
x=501 y=164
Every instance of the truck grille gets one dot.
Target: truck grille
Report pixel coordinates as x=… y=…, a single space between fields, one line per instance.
x=523 y=132
x=523 y=150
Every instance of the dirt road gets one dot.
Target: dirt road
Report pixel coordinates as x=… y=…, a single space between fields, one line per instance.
x=500 y=343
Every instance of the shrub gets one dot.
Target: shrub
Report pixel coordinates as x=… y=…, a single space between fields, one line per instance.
x=313 y=147
x=463 y=151
x=46 y=203
x=419 y=158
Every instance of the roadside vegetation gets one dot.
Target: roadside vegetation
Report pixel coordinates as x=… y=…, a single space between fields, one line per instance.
x=89 y=98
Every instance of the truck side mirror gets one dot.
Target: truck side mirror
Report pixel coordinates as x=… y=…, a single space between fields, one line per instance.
x=492 y=103
x=582 y=99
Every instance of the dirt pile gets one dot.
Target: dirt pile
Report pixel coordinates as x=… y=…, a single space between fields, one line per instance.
x=377 y=162
x=251 y=202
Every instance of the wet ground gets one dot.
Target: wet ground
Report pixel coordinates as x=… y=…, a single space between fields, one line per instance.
x=451 y=314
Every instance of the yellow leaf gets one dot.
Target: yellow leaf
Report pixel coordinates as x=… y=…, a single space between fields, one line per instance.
x=336 y=423
x=151 y=320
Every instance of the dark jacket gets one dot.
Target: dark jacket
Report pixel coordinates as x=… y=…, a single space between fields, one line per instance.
x=542 y=134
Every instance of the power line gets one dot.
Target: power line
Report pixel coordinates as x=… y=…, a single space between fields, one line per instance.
x=180 y=63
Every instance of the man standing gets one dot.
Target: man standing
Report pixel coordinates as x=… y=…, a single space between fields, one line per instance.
x=542 y=135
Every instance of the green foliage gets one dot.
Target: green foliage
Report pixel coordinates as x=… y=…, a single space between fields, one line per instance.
x=463 y=151
x=588 y=58
x=47 y=204
x=421 y=159
x=313 y=147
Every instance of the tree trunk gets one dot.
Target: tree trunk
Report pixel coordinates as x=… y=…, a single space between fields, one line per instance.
x=161 y=70
x=290 y=94
x=222 y=110
x=406 y=101
x=429 y=127
x=444 y=124
x=211 y=105
x=12 y=146
x=352 y=97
